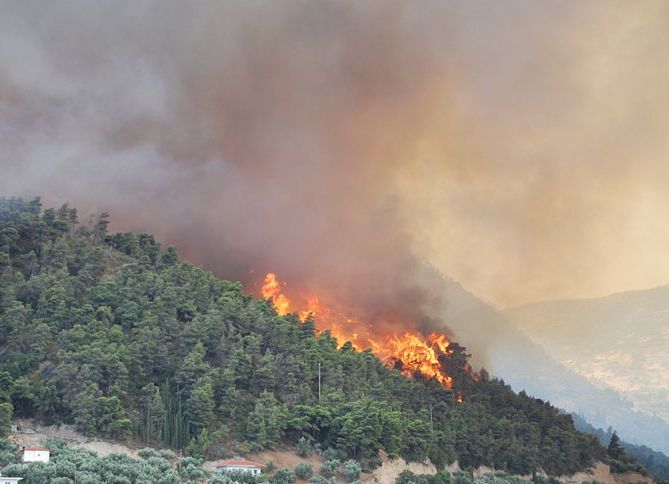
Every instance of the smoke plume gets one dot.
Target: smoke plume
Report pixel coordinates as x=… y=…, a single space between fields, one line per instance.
x=518 y=146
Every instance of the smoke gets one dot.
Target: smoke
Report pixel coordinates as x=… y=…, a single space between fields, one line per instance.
x=519 y=146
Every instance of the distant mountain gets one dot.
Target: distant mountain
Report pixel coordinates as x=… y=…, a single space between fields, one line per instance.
x=526 y=365
x=619 y=341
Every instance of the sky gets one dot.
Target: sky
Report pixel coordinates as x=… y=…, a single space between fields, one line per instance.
x=519 y=147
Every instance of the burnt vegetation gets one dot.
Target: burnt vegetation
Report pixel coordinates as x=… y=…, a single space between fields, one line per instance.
x=117 y=336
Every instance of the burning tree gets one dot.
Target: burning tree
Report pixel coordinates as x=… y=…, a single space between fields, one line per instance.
x=431 y=355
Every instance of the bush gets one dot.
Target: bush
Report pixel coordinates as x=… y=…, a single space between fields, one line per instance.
x=442 y=477
x=233 y=477
x=167 y=454
x=304 y=447
x=332 y=454
x=500 y=478
x=220 y=478
x=304 y=471
x=7 y=452
x=462 y=478
x=147 y=452
x=330 y=468
x=352 y=470
x=407 y=477
x=191 y=468
x=283 y=476
x=318 y=480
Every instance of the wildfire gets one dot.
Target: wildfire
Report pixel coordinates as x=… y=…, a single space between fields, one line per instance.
x=410 y=351
x=271 y=289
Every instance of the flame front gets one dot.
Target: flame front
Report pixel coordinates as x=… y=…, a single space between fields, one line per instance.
x=410 y=351
x=271 y=289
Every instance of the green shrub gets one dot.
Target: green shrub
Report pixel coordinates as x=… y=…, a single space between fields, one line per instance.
x=330 y=468
x=147 y=453
x=304 y=471
x=283 y=476
x=304 y=447
x=332 y=454
x=352 y=470
x=167 y=454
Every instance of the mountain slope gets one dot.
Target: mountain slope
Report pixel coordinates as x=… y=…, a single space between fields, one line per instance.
x=619 y=341
x=655 y=462
x=525 y=365
x=116 y=336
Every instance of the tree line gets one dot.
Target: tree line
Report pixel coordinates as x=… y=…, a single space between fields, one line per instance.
x=117 y=336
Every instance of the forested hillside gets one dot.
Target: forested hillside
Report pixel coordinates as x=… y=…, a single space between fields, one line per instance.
x=655 y=462
x=592 y=337
x=117 y=336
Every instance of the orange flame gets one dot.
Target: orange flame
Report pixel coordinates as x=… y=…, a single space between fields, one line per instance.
x=271 y=289
x=413 y=351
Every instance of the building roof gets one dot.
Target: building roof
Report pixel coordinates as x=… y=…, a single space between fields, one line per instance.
x=33 y=448
x=238 y=463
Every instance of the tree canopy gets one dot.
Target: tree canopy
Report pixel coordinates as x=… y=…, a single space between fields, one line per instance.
x=114 y=334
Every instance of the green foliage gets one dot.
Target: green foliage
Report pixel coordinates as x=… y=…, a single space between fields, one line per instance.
x=656 y=463
x=407 y=477
x=619 y=460
x=351 y=470
x=332 y=453
x=441 y=477
x=462 y=478
x=190 y=468
x=283 y=476
x=330 y=468
x=615 y=450
x=234 y=477
x=68 y=464
x=6 y=411
x=304 y=447
x=267 y=421
x=7 y=452
x=113 y=334
x=304 y=471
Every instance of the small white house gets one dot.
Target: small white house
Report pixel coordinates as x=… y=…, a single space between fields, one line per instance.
x=9 y=480
x=34 y=454
x=239 y=465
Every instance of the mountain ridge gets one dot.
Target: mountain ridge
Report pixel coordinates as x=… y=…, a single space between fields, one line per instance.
x=626 y=333
x=527 y=365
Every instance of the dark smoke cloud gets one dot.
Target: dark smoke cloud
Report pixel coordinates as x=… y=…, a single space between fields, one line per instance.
x=235 y=131
x=343 y=144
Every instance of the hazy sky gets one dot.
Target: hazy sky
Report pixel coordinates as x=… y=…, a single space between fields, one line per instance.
x=520 y=146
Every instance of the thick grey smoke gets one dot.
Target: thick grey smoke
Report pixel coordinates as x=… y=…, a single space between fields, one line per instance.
x=340 y=144
x=236 y=131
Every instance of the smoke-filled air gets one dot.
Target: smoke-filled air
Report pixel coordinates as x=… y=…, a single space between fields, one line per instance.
x=517 y=147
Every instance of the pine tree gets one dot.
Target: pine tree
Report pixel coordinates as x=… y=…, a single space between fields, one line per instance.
x=615 y=450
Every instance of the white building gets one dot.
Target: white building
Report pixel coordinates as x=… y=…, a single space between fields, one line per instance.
x=239 y=465
x=35 y=454
x=9 y=480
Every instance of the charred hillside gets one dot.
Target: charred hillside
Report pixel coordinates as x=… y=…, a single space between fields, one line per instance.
x=119 y=337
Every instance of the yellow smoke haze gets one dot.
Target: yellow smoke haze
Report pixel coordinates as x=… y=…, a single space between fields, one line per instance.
x=520 y=147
